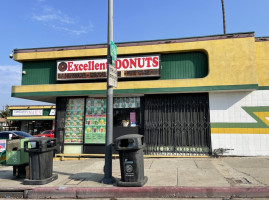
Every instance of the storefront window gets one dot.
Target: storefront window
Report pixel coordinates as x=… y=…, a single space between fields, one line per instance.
x=93 y=128
x=95 y=121
x=126 y=112
x=74 y=121
x=36 y=127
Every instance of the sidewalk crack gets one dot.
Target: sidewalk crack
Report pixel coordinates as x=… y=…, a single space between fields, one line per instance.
x=251 y=177
x=151 y=164
x=195 y=164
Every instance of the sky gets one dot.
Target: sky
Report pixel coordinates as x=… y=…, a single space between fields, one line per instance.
x=49 y=23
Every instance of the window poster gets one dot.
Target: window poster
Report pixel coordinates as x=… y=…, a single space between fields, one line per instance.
x=133 y=119
x=95 y=121
x=74 y=121
x=126 y=102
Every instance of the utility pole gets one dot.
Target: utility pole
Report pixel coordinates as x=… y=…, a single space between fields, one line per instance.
x=108 y=179
x=223 y=17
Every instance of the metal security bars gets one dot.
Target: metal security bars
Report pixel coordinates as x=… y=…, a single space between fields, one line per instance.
x=177 y=124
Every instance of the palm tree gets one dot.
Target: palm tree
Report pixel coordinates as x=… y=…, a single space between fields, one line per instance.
x=223 y=16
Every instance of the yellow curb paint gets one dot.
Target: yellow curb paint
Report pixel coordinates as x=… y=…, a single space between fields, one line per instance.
x=64 y=157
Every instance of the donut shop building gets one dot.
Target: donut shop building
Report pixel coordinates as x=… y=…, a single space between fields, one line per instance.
x=187 y=96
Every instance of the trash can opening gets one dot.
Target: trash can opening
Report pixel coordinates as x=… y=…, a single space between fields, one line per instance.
x=34 y=145
x=126 y=143
x=15 y=149
x=142 y=140
x=51 y=143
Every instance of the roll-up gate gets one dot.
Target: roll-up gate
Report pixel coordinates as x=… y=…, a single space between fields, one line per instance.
x=177 y=124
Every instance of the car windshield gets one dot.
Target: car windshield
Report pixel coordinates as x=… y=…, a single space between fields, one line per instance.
x=23 y=134
x=45 y=132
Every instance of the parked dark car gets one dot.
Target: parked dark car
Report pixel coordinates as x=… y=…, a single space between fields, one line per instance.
x=14 y=135
x=47 y=133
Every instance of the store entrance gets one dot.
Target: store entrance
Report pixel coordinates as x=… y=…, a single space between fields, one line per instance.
x=126 y=120
x=36 y=126
x=177 y=124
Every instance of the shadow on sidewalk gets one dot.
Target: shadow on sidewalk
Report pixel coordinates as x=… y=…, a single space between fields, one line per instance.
x=78 y=178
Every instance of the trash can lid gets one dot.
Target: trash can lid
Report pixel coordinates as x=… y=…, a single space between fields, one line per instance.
x=129 y=142
x=41 y=139
x=129 y=136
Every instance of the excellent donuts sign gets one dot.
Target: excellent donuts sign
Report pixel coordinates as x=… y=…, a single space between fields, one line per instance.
x=141 y=66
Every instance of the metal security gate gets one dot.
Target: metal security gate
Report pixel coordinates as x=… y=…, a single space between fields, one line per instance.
x=177 y=124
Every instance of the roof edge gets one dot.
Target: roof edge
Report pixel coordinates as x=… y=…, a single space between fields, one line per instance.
x=261 y=39
x=138 y=43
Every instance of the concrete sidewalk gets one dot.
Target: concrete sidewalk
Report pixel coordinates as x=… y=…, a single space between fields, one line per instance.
x=179 y=177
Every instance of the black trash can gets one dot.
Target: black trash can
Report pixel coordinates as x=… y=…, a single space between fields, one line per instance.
x=130 y=149
x=40 y=160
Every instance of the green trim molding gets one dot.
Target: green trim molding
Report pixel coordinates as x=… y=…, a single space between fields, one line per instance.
x=140 y=91
x=263 y=88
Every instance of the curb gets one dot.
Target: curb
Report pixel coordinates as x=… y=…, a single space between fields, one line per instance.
x=15 y=193
x=147 y=192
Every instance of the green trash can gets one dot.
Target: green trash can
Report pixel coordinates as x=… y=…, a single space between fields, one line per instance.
x=17 y=157
x=15 y=152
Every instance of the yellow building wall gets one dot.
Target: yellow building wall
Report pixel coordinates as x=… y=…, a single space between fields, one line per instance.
x=262 y=57
x=231 y=62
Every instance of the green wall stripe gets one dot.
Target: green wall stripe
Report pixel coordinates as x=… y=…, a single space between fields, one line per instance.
x=263 y=88
x=250 y=111
x=140 y=91
x=237 y=125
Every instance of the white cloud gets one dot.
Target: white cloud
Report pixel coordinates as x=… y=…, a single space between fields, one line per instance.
x=78 y=31
x=49 y=14
x=40 y=1
x=10 y=75
x=58 y=20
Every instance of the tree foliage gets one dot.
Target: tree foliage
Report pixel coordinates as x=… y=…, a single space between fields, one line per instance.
x=5 y=113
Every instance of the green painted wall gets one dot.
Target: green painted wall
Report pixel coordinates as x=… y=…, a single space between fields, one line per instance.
x=174 y=66
x=184 y=65
x=39 y=72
